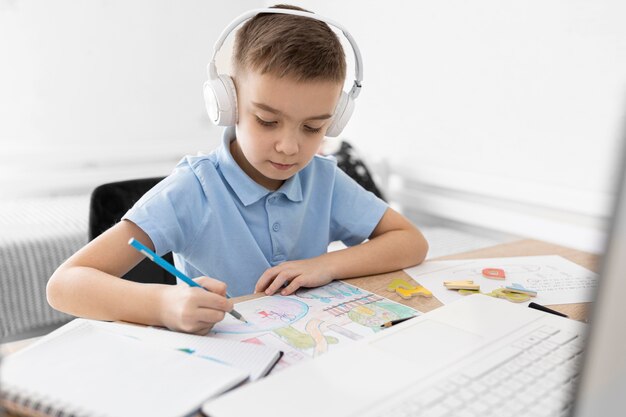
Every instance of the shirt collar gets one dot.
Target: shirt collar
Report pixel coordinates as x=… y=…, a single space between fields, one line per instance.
x=292 y=188
x=247 y=190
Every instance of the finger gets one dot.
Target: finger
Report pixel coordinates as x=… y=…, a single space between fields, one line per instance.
x=212 y=284
x=210 y=300
x=278 y=282
x=265 y=279
x=292 y=287
x=208 y=316
x=195 y=327
x=203 y=331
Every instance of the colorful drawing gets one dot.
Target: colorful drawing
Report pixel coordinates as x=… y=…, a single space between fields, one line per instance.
x=290 y=356
x=301 y=340
x=308 y=323
x=345 y=332
x=336 y=290
x=343 y=308
x=374 y=314
x=313 y=328
x=254 y=341
x=267 y=313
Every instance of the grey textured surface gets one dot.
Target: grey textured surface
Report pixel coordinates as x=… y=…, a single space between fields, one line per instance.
x=36 y=236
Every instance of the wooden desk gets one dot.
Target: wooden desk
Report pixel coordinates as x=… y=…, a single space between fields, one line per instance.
x=527 y=247
x=378 y=283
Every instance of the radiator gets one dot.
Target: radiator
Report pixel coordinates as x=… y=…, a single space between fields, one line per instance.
x=36 y=236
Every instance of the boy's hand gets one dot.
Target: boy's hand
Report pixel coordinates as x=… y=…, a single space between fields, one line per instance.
x=303 y=273
x=192 y=309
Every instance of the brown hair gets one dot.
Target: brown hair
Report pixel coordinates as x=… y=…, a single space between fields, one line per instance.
x=289 y=46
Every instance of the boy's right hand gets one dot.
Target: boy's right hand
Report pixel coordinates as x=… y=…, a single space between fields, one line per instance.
x=192 y=309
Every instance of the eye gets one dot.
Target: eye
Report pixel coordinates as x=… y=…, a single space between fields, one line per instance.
x=265 y=122
x=310 y=129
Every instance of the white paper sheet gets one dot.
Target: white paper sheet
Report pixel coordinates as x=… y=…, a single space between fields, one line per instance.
x=86 y=370
x=251 y=358
x=556 y=279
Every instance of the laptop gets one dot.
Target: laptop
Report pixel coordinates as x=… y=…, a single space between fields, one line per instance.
x=478 y=356
x=602 y=390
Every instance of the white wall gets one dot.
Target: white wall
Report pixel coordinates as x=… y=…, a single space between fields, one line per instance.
x=95 y=91
x=503 y=113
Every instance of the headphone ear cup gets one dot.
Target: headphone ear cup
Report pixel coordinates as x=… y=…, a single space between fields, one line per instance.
x=343 y=111
x=220 y=99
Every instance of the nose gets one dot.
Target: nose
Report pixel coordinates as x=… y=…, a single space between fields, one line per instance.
x=287 y=143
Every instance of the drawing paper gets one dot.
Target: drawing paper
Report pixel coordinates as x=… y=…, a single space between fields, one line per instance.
x=312 y=321
x=556 y=279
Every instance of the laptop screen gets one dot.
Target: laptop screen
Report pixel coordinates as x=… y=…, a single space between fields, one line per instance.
x=602 y=389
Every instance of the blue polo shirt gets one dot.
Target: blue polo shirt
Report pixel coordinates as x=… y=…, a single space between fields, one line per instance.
x=220 y=223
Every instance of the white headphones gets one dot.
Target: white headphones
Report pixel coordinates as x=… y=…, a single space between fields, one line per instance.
x=220 y=95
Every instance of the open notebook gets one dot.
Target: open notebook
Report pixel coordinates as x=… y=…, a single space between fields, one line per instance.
x=256 y=360
x=88 y=368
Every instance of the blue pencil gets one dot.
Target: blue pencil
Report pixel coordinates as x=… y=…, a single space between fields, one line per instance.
x=172 y=270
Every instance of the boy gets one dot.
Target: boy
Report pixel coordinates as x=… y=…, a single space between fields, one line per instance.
x=258 y=213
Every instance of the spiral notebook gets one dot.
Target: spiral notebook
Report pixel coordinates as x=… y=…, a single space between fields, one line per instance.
x=86 y=370
x=257 y=360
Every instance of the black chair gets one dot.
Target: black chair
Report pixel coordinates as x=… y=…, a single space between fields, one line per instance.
x=349 y=162
x=109 y=202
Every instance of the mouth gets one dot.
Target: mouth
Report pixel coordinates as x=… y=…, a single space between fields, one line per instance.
x=282 y=167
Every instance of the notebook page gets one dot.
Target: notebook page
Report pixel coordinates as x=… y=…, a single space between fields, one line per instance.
x=257 y=360
x=88 y=369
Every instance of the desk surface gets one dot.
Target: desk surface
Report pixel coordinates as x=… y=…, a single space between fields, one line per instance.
x=378 y=283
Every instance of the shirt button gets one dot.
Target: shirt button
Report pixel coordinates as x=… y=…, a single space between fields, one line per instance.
x=272 y=199
x=276 y=227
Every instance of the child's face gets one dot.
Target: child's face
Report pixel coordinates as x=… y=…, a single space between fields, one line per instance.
x=281 y=124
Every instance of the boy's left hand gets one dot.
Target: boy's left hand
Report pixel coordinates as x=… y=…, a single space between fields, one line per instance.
x=303 y=273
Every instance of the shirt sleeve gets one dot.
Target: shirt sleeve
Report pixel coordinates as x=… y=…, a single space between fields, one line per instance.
x=355 y=212
x=172 y=211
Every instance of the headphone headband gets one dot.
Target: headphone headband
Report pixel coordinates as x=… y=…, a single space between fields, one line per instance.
x=220 y=95
x=358 y=65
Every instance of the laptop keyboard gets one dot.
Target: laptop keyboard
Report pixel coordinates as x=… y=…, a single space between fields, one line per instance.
x=536 y=375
